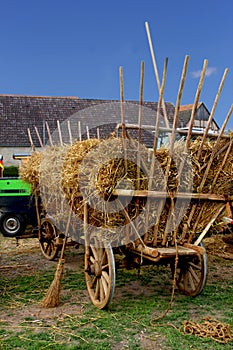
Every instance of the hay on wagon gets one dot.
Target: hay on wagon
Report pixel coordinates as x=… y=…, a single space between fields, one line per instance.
x=95 y=169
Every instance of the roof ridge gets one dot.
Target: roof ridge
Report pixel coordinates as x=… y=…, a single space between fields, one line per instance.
x=37 y=96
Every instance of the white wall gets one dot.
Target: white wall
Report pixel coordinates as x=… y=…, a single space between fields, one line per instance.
x=8 y=152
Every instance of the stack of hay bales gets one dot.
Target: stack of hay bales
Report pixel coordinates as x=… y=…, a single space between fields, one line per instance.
x=96 y=168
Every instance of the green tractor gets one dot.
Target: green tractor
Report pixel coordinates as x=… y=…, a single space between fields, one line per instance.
x=17 y=207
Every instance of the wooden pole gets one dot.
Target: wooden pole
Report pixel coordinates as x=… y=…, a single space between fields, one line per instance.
x=69 y=131
x=215 y=148
x=49 y=134
x=140 y=122
x=156 y=71
x=213 y=154
x=187 y=141
x=39 y=138
x=178 y=101
x=123 y=116
x=212 y=113
x=222 y=165
x=88 y=134
x=156 y=135
x=59 y=132
x=98 y=133
x=140 y=103
x=151 y=172
x=195 y=105
x=79 y=131
x=172 y=139
x=201 y=147
x=204 y=232
x=122 y=103
x=30 y=140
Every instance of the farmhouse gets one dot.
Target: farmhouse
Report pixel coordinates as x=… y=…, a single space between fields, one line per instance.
x=18 y=113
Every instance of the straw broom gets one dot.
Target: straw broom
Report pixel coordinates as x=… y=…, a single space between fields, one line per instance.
x=52 y=296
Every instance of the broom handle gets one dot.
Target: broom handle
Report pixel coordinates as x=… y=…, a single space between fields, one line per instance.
x=66 y=234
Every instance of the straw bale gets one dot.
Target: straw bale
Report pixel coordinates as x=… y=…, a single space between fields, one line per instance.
x=29 y=171
x=96 y=168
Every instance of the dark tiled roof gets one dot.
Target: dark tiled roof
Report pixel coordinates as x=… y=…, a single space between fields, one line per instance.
x=18 y=113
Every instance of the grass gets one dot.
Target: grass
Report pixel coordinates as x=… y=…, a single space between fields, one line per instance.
x=126 y=325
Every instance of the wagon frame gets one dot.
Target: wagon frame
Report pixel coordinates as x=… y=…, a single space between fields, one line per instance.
x=186 y=256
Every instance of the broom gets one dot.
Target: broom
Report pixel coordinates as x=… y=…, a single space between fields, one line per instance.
x=52 y=296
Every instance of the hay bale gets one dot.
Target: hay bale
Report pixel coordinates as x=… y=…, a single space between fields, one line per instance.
x=29 y=171
x=96 y=168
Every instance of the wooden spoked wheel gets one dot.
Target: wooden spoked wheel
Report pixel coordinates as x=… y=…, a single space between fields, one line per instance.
x=100 y=274
x=192 y=274
x=47 y=238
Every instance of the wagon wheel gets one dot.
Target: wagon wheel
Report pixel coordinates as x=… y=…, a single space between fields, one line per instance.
x=192 y=274
x=100 y=274
x=47 y=239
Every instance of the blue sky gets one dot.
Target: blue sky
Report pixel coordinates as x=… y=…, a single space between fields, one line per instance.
x=75 y=48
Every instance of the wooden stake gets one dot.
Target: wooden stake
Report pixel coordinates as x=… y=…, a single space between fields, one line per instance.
x=151 y=172
x=123 y=117
x=172 y=140
x=69 y=131
x=213 y=153
x=194 y=206
x=215 y=148
x=59 y=132
x=204 y=232
x=39 y=138
x=195 y=105
x=98 y=133
x=191 y=122
x=212 y=113
x=140 y=103
x=30 y=140
x=88 y=135
x=49 y=134
x=157 y=123
x=79 y=131
x=156 y=72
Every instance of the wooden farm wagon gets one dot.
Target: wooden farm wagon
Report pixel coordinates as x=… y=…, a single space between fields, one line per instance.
x=143 y=227
x=154 y=205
